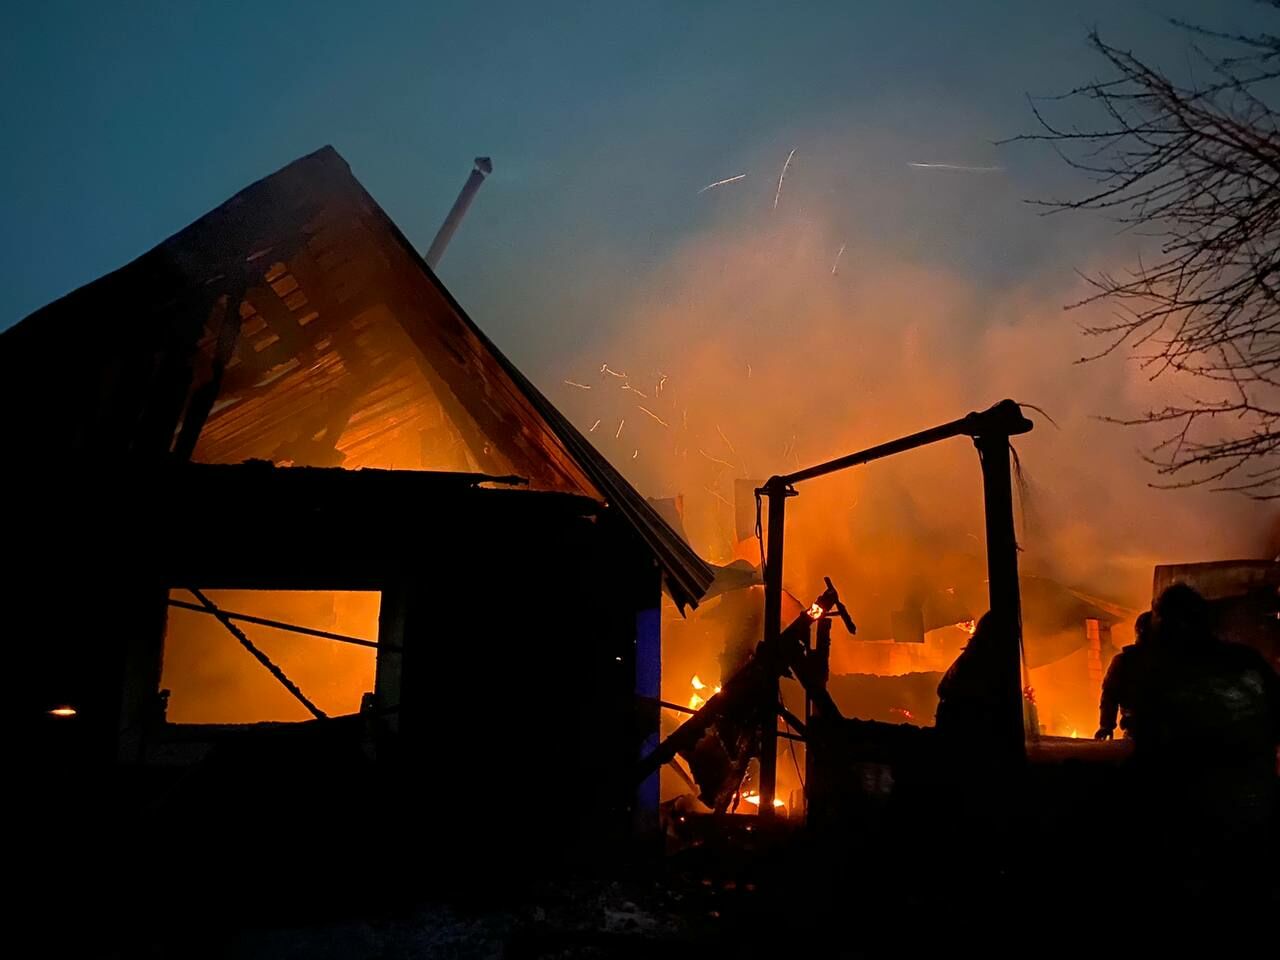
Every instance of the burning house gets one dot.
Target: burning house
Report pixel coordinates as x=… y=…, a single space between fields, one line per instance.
x=277 y=438
x=288 y=519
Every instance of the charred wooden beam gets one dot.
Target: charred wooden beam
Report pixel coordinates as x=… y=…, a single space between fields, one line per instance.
x=785 y=735
x=206 y=395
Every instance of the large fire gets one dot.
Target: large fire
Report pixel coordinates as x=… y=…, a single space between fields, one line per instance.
x=760 y=360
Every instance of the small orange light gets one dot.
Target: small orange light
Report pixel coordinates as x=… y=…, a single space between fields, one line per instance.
x=816 y=612
x=62 y=712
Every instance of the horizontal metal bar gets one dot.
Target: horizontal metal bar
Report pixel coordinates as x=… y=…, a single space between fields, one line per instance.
x=281 y=625
x=1004 y=418
x=671 y=706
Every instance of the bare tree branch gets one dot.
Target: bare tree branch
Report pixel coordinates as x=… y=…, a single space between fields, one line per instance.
x=1197 y=166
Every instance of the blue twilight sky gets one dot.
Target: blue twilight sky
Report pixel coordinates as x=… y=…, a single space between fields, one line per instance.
x=124 y=121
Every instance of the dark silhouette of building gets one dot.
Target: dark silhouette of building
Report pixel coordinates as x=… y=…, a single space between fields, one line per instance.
x=195 y=420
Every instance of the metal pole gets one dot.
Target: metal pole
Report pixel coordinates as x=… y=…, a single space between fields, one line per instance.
x=777 y=491
x=1003 y=418
x=281 y=625
x=1002 y=575
x=483 y=167
x=990 y=429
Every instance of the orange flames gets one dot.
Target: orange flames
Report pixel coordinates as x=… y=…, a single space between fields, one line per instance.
x=63 y=712
x=815 y=612
x=697 y=700
x=753 y=798
x=968 y=626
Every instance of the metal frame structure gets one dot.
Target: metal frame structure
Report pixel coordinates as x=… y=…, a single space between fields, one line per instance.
x=990 y=431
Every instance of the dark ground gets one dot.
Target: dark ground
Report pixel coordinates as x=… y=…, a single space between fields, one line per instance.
x=864 y=896
x=1043 y=864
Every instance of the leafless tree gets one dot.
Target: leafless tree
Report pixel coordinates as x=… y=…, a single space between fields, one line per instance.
x=1195 y=164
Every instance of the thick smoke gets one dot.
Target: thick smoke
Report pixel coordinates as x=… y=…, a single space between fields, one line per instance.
x=771 y=362
x=759 y=354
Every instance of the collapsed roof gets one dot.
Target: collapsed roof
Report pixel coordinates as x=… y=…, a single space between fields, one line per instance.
x=296 y=323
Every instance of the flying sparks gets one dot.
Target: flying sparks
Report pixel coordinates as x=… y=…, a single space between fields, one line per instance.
x=605 y=368
x=721 y=183
x=641 y=393
x=718 y=497
x=782 y=176
x=654 y=415
x=956 y=167
x=593 y=427
x=726 y=440
x=575 y=383
x=836 y=265
x=634 y=454
x=715 y=459
x=620 y=424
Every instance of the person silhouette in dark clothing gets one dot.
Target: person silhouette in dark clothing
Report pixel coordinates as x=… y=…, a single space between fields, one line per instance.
x=974 y=723
x=1197 y=691
x=969 y=695
x=1205 y=723
x=1120 y=686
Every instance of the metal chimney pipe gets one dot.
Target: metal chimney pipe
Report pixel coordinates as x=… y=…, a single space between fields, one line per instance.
x=483 y=167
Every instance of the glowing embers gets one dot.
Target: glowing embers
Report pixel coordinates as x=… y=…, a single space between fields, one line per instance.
x=815 y=611
x=753 y=798
x=968 y=626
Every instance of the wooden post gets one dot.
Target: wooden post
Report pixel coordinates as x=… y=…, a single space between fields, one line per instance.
x=389 y=665
x=1093 y=628
x=777 y=491
x=1002 y=576
x=137 y=632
